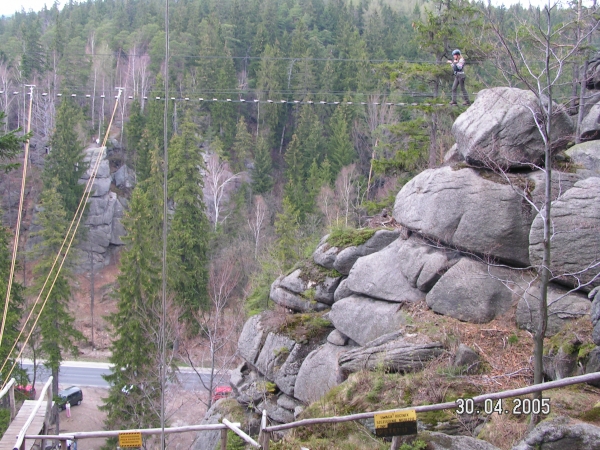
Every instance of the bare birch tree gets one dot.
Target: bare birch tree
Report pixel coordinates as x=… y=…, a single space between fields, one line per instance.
x=217 y=180
x=257 y=221
x=219 y=325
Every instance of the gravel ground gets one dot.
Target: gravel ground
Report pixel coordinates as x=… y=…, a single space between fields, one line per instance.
x=184 y=408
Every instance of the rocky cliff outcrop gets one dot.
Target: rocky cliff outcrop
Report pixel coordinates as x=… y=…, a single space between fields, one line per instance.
x=105 y=210
x=467 y=246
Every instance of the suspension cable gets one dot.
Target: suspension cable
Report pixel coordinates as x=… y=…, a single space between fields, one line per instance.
x=70 y=236
x=19 y=216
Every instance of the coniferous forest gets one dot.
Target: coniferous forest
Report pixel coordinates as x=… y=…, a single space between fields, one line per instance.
x=286 y=119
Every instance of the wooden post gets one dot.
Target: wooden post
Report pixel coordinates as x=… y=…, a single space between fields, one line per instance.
x=264 y=437
x=11 y=400
x=224 y=439
x=48 y=415
x=395 y=443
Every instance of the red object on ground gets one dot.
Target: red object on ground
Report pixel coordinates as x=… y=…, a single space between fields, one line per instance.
x=28 y=391
x=221 y=392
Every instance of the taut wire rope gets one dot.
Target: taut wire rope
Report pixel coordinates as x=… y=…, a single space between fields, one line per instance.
x=19 y=217
x=70 y=232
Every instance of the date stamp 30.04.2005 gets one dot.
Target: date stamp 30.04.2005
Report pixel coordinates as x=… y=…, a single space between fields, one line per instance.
x=516 y=406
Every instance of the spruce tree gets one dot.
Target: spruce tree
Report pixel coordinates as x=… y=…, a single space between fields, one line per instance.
x=64 y=165
x=10 y=145
x=262 y=180
x=190 y=231
x=58 y=334
x=134 y=129
x=341 y=151
x=134 y=393
x=241 y=146
x=15 y=307
x=286 y=225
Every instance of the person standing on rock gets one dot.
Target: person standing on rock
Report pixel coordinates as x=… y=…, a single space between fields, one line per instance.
x=458 y=64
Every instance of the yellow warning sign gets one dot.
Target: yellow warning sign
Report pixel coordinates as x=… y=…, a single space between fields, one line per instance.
x=382 y=420
x=130 y=440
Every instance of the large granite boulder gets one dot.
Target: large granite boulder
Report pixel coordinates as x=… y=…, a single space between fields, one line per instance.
x=379 y=276
x=252 y=338
x=124 y=177
x=575 y=238
x=562 y=307
x=342 y=260
x=590 y=125
x=273 y=354
x=210 y=439
x=586 y=157
x=285 y=376
x=499 y=129
x=561 y=433
x=306 y=288
x=319 y=373
x=472 y=292
x=293 y=301
x=442 y=441
x=561 y=182
x=363 y=319
x=394 y=352
x=465 y=209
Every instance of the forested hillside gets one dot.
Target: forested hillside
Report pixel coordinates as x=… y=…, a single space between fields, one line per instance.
x=285 y=119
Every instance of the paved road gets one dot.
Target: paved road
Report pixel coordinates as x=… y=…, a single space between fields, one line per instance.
x=90 y=374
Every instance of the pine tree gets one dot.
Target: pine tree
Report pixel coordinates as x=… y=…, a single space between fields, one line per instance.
x=241 y=146
x=340 y=149
x=32 y=60
x=286 y=226
x=310 y=139
x=190 y=231
x=58 y=334
x=15 y=307
x=64 y=165
x=10 y=145
x=262 y=180
x=134 y=130
x=294 y=189
x=134 y=391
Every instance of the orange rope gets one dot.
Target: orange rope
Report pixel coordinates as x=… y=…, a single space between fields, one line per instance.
x=77 y=220
x=19 y=216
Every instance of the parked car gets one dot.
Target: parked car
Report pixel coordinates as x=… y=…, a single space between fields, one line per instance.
x=221 y=392
x=27 y=391
x=72 y=395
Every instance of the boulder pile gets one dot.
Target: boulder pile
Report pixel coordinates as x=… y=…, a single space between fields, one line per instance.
x=469 y=245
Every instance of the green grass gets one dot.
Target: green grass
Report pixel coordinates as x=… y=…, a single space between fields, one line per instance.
x=348 y=237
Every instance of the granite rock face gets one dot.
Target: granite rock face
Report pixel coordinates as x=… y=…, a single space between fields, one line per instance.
x=380 y=276
x=467 y=209
x=575 y=238
x=342 y=260
x=395 y=352
x=363 y=319
x=562 y=307
x=469 y=292
x=586 y=157
x=499 y=131
x=561 y=433
x=319 y=373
